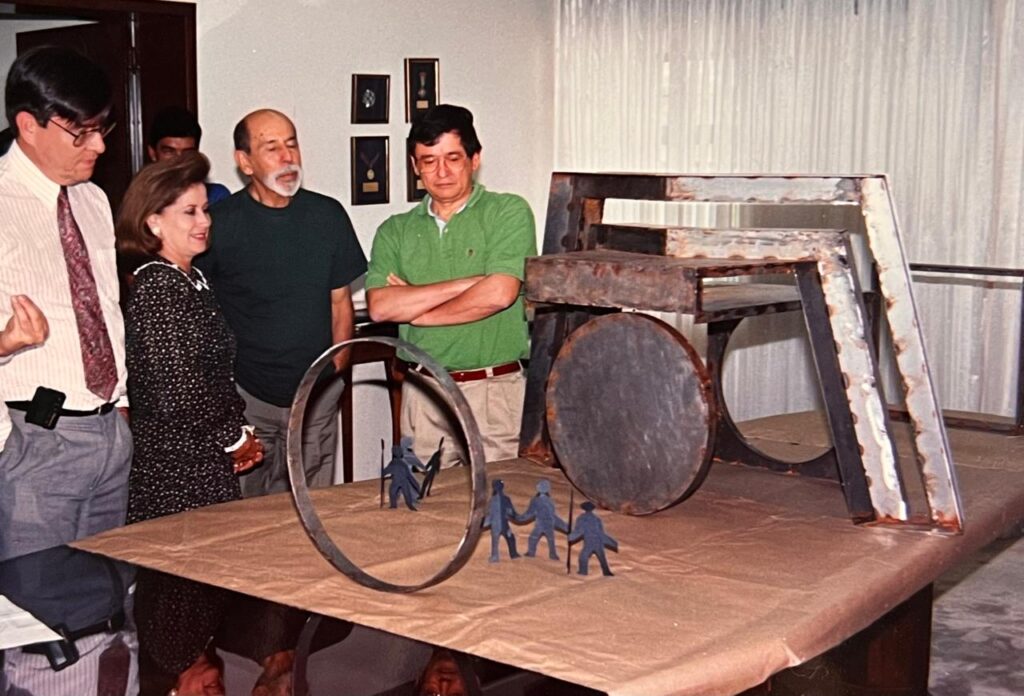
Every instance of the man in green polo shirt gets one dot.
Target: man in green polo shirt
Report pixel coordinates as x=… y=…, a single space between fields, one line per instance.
x=450 y=272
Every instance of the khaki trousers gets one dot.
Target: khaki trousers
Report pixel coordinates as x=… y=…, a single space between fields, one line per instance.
x=496 y=403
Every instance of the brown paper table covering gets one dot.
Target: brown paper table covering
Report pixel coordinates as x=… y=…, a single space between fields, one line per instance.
x=755 y=573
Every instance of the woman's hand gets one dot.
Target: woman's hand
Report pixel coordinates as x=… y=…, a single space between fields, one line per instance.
x=248 y=455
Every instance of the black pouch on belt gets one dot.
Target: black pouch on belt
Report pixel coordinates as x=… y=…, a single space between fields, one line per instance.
x=44 y=409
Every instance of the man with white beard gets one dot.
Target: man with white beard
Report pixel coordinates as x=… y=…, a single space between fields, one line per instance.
x=280 y=261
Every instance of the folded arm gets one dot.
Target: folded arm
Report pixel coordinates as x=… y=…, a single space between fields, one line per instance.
x=403 y=303
x=489 y=296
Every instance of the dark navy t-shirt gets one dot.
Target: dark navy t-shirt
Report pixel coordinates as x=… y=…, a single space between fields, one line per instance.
x=273 y=270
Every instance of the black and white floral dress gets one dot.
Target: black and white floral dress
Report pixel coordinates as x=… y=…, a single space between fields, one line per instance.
x=184 y=406
x=184 y=412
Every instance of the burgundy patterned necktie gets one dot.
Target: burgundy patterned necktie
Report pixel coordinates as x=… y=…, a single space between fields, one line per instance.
x=97 y=353
x=115 y=665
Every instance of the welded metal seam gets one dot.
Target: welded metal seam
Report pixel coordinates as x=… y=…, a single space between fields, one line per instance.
x=934 y=455
x=761 y=189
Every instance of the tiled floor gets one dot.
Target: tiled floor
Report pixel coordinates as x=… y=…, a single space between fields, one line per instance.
x=978 y=624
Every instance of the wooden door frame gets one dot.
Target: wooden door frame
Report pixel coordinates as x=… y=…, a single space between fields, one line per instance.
x=99 y=10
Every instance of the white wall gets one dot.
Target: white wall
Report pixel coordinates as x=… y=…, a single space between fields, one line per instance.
x=298 y=56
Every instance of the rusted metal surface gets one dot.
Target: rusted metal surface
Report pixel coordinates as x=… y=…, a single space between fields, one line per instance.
x=848 y=316
x=850 y=330
x=720 y=302
x=571 y=212
x=604 y=278
x=300 y=492
x=550 y=327
x=611 y=279
x=762 y=189
x=934 y=457
x=632 y=434
x=865 y=499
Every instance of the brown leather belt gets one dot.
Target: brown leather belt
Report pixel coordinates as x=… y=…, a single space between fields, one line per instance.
x=482 y=373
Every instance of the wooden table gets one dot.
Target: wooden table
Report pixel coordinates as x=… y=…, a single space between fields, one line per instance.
x=755 y=573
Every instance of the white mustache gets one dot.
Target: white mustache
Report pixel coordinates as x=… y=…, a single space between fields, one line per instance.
x=272 y=182
x=286 y=170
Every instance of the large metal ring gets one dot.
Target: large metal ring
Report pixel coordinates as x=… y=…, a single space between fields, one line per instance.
x=307 y=513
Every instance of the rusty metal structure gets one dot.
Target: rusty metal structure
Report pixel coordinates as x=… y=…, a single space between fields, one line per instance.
x=590 y=269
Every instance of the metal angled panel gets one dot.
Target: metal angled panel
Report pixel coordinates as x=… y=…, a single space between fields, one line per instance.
x=850 y=330
x=934 y=457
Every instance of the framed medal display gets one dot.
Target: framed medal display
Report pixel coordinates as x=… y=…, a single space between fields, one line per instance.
x=414 y=190
x=422 y=86
x=370 y=170
x=370 y=98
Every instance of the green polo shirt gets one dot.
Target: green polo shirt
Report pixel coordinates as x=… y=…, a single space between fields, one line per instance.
x=493 y=233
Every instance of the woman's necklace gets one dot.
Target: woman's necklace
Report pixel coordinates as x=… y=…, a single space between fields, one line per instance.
x=199 y=282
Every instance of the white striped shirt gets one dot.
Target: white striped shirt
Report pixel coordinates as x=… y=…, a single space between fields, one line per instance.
x=32 y=263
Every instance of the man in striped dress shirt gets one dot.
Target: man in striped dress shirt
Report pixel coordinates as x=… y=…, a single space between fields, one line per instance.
x=65 y=480
x=66 y=448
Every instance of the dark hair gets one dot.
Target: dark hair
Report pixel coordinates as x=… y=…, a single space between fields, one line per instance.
x=441 y=119
x=49 y=81
x=6 y=139
x=154 y=188
x=174 y=122
x=241 y=135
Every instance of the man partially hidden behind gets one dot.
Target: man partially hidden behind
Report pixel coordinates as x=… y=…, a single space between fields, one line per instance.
x=64 y=465
x=175 y=131
x=281 y=261
x=450 y=272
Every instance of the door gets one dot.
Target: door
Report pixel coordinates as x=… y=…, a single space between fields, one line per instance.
x=149 y=52
x=107 y=44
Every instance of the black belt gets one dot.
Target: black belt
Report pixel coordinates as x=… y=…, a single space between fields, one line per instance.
x=114 y=623
x=98 y=411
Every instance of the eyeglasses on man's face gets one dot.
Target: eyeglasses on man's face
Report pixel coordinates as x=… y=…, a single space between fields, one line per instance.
x=82 y=136
x=455 y=161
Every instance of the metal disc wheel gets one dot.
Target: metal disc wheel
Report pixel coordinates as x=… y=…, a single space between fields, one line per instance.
x=631 y=413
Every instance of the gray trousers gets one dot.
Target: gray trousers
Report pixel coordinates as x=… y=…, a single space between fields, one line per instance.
x=319 y=441
x=62 y=484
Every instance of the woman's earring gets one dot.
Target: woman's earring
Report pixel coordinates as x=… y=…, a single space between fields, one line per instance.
x=156 y=231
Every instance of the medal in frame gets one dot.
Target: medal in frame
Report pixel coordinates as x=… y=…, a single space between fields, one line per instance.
x=422 y=86
x=370 y=170
x=370 y=98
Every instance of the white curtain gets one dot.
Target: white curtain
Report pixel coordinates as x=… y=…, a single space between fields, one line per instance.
x=927 y=91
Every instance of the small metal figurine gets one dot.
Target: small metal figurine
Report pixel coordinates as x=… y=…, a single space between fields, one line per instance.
x=411 y=460
x=542 y=509
x=433 y=466
x=499 y=512
x=590 y=529
x=400 y=470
